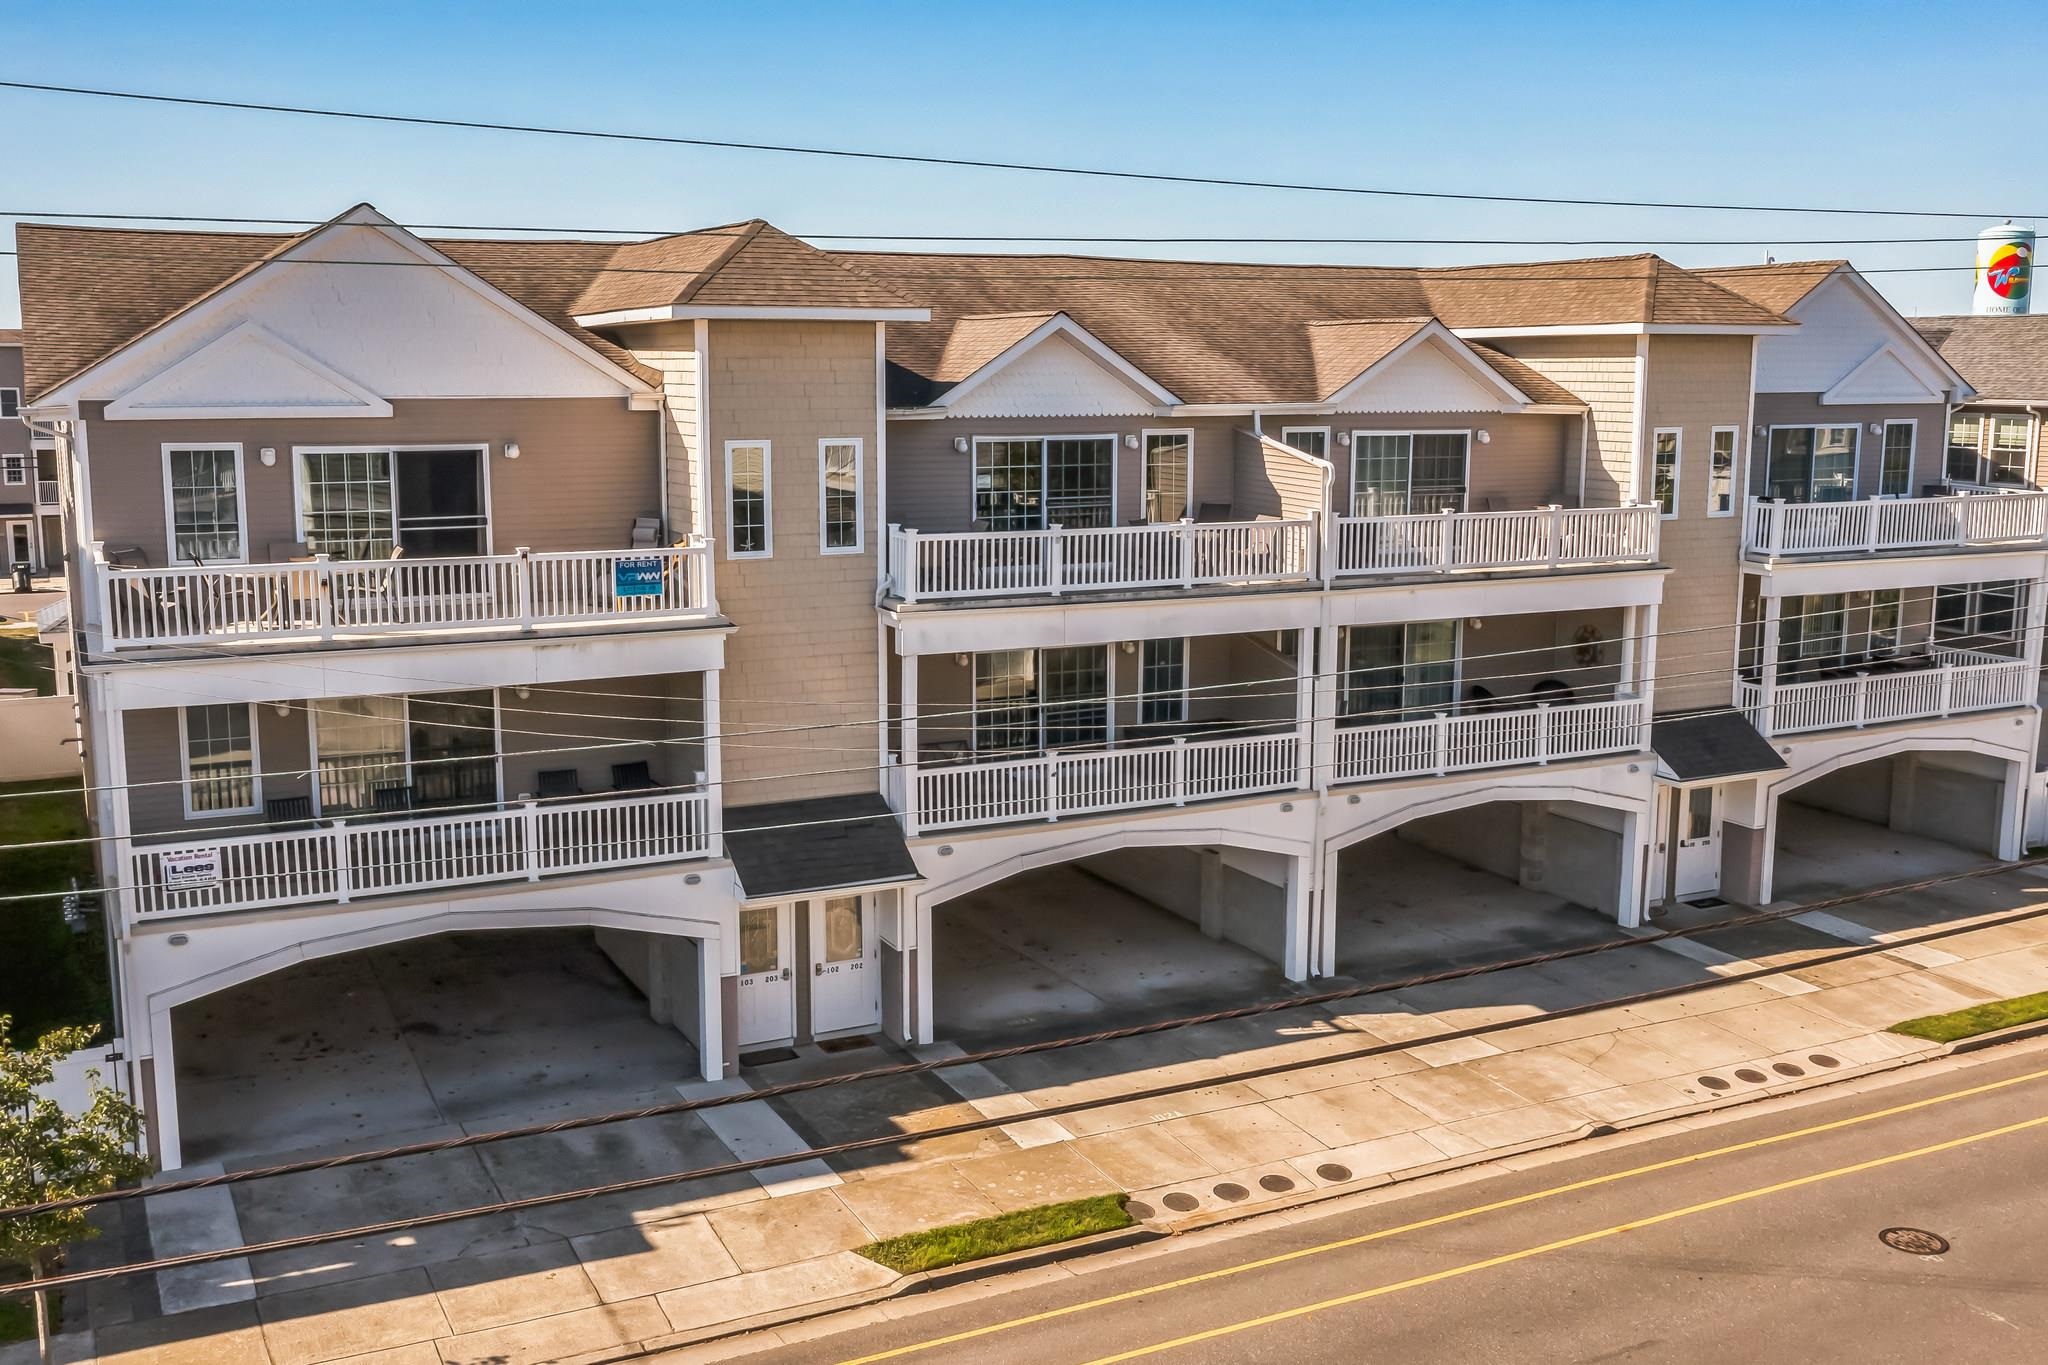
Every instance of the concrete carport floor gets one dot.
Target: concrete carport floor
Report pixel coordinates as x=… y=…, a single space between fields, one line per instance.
x=1062 y=950
x=1826 y=853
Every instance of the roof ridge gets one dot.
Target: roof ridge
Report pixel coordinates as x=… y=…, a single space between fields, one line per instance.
x=733 y=248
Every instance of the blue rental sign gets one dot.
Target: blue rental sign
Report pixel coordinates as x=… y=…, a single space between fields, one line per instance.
x=639 y=576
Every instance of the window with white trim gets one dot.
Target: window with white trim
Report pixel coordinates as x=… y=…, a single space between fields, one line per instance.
x=1895 y=466
x=1308 y=440
x=1989 y=612
x=1027 y=483
x=1886 y=606
x=1989 y=448
x=1029 y=700
x=1813 y=464
x=1163 y=682
x=749 y=487
x=1812 y=632
x=1398 y=672
x=220 y=759
x=839 y=496
x=1394 y=473
x=204 y=494
x=2005 y=458
x=10 y=403
x=1664 y=446
x=14 y=470
x=1721 y=472
x=1169 y=475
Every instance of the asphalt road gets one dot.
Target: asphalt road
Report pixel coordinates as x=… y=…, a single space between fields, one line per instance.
x=1754 y=1240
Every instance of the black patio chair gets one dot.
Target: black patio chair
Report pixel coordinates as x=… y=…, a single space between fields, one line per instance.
x=558 y=782
x=279 y=811
x=633 y=777
x=394 y=798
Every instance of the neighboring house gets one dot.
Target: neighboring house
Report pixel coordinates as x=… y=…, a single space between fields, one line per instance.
x=31 y=520
x=1995 y=438
x=889 y=577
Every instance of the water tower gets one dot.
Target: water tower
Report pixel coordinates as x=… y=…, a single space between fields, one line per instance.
x=2005 y=270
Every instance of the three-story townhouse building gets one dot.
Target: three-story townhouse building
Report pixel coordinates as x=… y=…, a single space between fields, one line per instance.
x=31 y=529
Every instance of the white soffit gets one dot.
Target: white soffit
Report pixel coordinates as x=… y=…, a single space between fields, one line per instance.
x=1883 y=377
x=1059 y=370
x=1431 y=372
x=247 y=372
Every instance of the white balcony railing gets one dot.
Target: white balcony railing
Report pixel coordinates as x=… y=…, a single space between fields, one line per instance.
x=1442 y=542
x=1876 y=525
x=339 y=861
x=1051 y=785
x=46 y=494
x=323 y=599
x=1060 y=560
x=1959 y=681
x=1445 y=743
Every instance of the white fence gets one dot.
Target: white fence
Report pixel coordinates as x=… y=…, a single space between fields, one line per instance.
x=367 y=857
x=1441 y=542
x=1049 y=786
x=1060 y=560
x=38 y=738
x=1875 y=525
x=70 y=1085
x=1444 y=743
x=321 y=599
x=1960 y=682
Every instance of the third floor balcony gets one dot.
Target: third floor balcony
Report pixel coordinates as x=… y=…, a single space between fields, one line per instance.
x=1777 y=530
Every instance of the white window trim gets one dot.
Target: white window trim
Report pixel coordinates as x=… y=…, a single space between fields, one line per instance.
x=1327 y=434
x=1145 y=468
x=1677 y=435
x=1912 y=425
x=767 y=550
x=1734 y=472
x=298 y=471
x=860 y=496
x=241 y=498
x=1186 y=692
x=1351 y=457
x=14 y=469
x=1116 y=441
x=1855 y=430
x=255 y=756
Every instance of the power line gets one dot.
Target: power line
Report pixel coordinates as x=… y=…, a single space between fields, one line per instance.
x=971 y=163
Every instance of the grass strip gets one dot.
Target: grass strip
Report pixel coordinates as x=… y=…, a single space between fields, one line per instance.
x=1968 y=1023
x=937 y=1248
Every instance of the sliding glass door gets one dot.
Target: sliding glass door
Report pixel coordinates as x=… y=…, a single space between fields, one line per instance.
x=1400 y=672
x=1813 y=464
x=362 y=504
x=1029 y=700
x=1397 y=472
x=1030 y=483
x=401 y=753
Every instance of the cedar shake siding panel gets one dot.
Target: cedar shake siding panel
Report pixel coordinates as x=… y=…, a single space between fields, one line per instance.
x=1697 y=383
x=1600 y=370
x=1930 y=437
x=805 y=648
x=587 y=467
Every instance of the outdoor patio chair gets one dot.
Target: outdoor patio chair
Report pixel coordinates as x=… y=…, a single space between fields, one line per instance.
x=1211 y=512
x=558 y=782
x=1552 y=691
x=393 y=798
x=646 y=530
x=288 y=810
x=633 y=777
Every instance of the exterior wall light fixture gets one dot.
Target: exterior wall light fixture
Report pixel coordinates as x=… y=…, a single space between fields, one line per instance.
x=268 y=455
x=960 y=444
x=1130 y=441
x=511 y=450
x=1485 y=436
x=1343 y=438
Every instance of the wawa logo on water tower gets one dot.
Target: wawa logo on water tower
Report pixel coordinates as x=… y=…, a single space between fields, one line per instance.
x=2005 y=269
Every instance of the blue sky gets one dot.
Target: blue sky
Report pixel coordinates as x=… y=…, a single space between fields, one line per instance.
x=1819 y=103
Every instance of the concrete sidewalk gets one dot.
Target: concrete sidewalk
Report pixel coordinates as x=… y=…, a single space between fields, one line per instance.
x=1262 y=1111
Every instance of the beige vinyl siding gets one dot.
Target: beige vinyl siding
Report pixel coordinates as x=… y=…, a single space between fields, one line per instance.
x=587 y=467
x=1930 y=438
x=1601 y=370
x=805 y=647
x=1697 y=383
x=672 y=349
x=1273 y=483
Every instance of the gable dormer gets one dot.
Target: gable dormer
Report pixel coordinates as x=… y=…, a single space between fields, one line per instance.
x=1039 y=365
x=1851 y=346
x=1409 y=365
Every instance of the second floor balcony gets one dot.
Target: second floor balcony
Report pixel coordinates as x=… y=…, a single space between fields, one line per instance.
x=1873 y=526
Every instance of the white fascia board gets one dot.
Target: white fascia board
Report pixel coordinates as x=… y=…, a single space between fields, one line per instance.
x=1629 y=329
x=1434 y=330
x=1061 y=324
x=1862 y=573
x=684 y=312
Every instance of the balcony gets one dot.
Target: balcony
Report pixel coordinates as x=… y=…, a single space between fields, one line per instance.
x=342 y=860
x=1963 y=521
x=1452 y=541
x=320 y=599
x=1945 y=682
x=46 y=495
x=1490 y=738
x=1059 y=560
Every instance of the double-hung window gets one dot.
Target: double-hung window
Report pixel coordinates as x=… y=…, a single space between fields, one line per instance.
x=218 y=746
x=1965 y=447
x=1163 y=682
x=1812 y=632
x=749 y=484
x=1032 y=482
x=1989 y=612
x=14 y=470
x=1169 y=475
x=1721 y=472
x=1398 y=472
x=10 y=404
x=1988 y=449
x=1399 y=672
x=1895 y=469
x=203 y=501
x=2005 y=459
x=1308 y=440
x=1665 y=444
x=1813 y=464
x=839 y=496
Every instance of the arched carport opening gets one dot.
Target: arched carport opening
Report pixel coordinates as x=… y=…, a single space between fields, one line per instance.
x=1115 y=936
x=1893 y=818
x=1482 y=882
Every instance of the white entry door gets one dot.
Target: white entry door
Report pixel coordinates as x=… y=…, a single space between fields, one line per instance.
x=846 y=990
x=767 y=992
x=21 y=544
x=1698 y=870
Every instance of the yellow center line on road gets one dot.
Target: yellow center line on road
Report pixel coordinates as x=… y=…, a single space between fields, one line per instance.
x=1535 y=1196
x=1565 y=1243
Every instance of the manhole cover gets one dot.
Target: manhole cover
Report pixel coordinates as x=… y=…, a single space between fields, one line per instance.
x=1138 y=1211
x=1750 y=1074
x=1713 y=1082
x=1822 y=1059
x=1278 y=1184
x=1230 y=1191
x=1787 y=1069
x=1334 y=1173
x=1915 y=1241
x=1181 y=1203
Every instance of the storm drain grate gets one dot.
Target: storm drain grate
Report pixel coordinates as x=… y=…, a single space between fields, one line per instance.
x=1914 y=1241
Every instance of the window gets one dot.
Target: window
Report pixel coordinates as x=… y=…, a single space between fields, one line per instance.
x=345 y=503
x=1027 y=701
x=1812 y=631
x=1030 y=483
x=1399 y=672
x=1169 y=475
x=359 y=747
x=1895 y=470
x=1965 y=445
x=1813 y=464
x=1163 y=682
x=10 y=403
x=1721 y=473
x=1664 y=445
x=1699 y=813
x=1308 y=440
x=2007 y=458
x=219 y=744
x=1398 y=472
x=1885 y=606
x=749 y=483
x=14 y=469
x=1989 y=611
x=358 y=503
x=203 y=498
x=1989 y=450
x=839 y=491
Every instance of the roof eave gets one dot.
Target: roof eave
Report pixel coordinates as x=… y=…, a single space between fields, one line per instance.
x=685 y=312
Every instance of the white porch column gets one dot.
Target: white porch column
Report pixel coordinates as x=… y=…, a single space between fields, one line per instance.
x=711 y=1008
x=925 y=955
x=1323 y=713
x=1646 y=657
x=1326 y=944
x=2012 y=812
x=1768 y=665
x=1629 y=899
x=714 y=762
x=1300 y=905
x=2037 y=615
x=1305 y=705
x=907 y=727
x=1631 y=627
x=170 y=1148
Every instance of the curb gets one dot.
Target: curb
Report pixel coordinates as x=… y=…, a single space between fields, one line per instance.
x=2015 y=1034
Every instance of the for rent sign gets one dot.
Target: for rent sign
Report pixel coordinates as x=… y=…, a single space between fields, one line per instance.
x=637 y=576
x=189 y=869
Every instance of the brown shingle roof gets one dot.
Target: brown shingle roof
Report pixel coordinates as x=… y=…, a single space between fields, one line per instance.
x=741 y=265
x=1342 y=351
x=1777 y=286
x=2003 y=358
x=10 y=336
x=975 y=341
